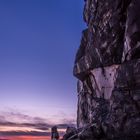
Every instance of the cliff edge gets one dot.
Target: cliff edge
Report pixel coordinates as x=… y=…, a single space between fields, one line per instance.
x=107 y=66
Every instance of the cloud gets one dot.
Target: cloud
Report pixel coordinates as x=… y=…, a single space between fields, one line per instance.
x=38 y=126
x=42 y=128
x=2 y=118
x=24 y=133
x=69 y=121
x=38 y=119
x=17 y=116
x=64 y=126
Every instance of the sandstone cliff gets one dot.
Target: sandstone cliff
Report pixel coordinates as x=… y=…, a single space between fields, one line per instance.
x=107 y=66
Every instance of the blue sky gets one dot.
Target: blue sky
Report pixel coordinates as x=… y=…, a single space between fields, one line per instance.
x=38 y=43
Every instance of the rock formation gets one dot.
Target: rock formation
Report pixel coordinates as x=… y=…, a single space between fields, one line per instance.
x=107 y=66
x=71 y=133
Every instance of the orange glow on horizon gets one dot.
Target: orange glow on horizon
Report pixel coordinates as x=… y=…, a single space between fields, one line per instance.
x=26 y=138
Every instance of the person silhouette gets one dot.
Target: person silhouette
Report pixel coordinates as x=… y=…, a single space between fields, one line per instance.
x=54 y=133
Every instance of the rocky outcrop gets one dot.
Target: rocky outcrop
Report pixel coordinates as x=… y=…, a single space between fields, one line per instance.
x=71 y=133
x=107 y=66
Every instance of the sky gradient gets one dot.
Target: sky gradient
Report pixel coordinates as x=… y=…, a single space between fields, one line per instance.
x=38 y=43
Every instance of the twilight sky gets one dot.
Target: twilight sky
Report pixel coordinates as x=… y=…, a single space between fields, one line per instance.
x=38 y=43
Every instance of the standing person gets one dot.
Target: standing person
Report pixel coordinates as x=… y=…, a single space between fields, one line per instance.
x=54 y=133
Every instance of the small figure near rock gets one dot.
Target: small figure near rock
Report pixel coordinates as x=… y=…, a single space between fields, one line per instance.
x=54 y=133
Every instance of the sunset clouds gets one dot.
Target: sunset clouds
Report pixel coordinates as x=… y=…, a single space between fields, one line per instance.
x=17 y=124
x=25 y=126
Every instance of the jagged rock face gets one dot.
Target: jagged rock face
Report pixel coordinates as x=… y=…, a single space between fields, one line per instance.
x=112 y=36
x=107 y=66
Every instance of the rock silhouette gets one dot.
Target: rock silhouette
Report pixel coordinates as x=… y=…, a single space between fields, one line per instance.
x=54 y=133
x=107 y=66
x=71 y=133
